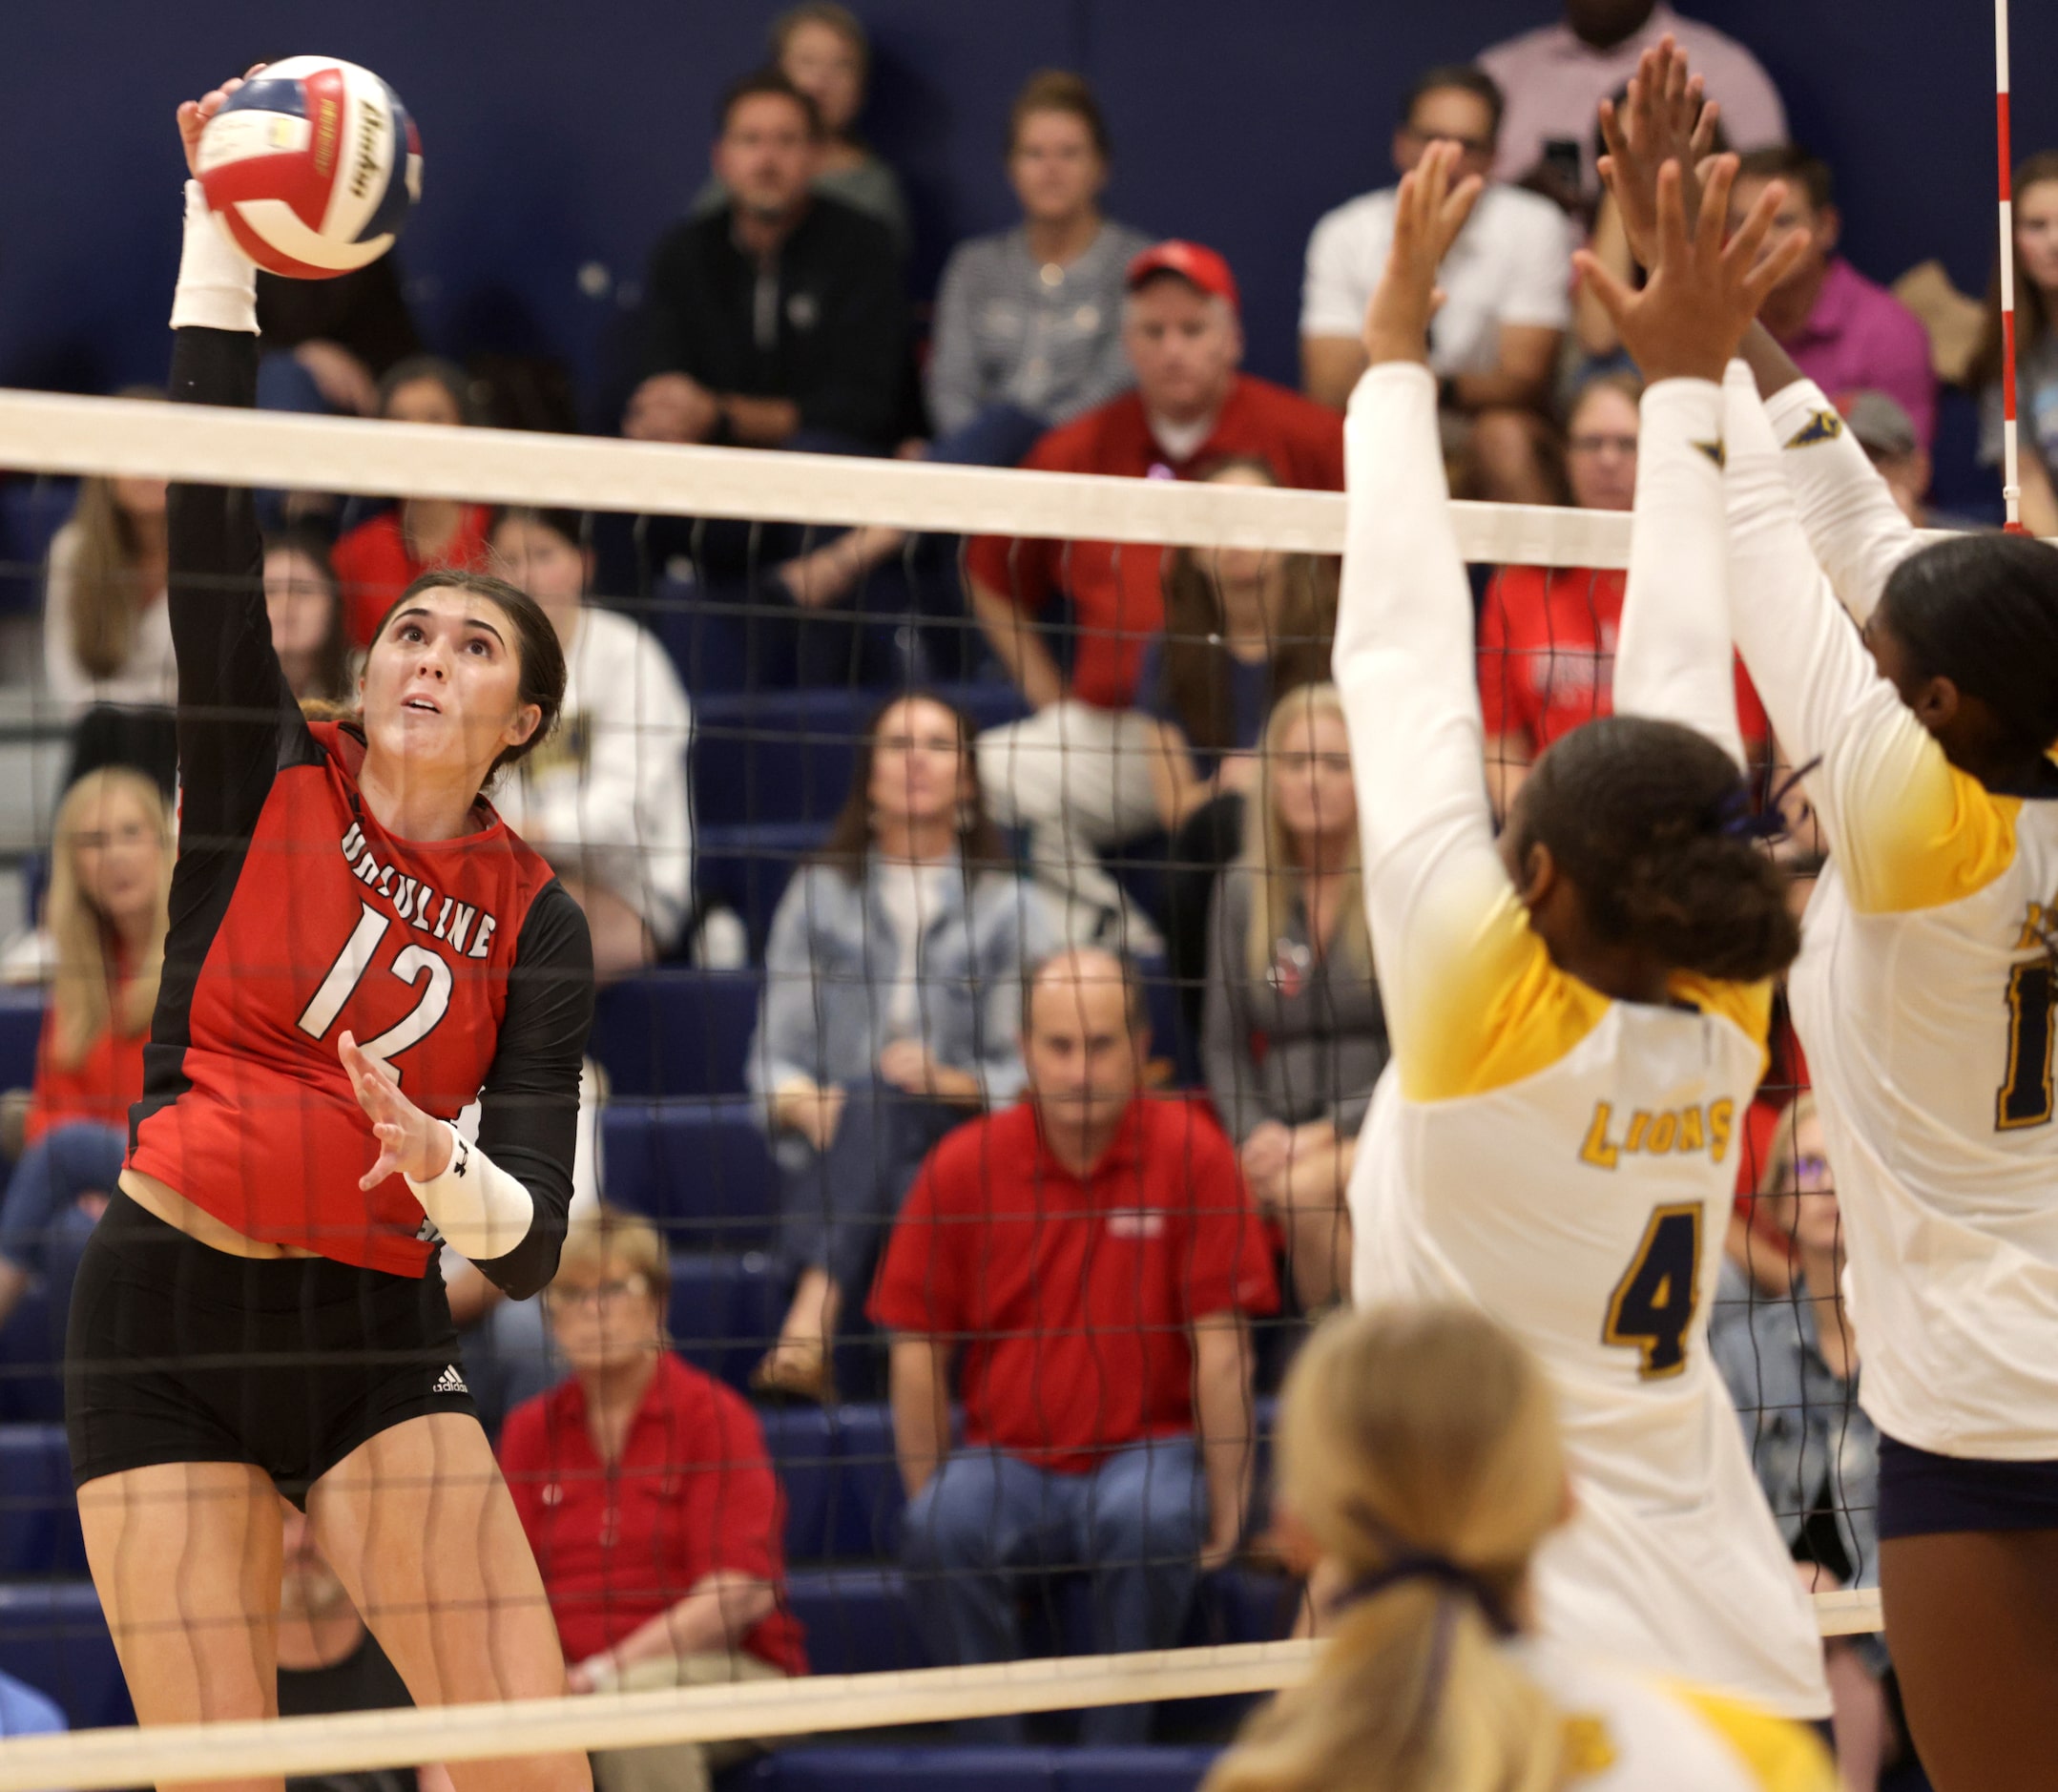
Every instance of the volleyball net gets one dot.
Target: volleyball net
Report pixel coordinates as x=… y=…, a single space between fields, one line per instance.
x=773 y=956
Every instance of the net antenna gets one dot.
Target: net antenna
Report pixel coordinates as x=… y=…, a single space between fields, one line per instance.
x=2011 y=492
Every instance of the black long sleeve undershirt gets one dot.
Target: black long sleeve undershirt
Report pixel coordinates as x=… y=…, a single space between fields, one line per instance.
x=239 y=725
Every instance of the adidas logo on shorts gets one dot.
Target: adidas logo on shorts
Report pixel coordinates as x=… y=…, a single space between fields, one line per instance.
x=451 y=1382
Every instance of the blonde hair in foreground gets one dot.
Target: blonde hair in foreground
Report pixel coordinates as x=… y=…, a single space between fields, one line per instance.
x=1422 y=1430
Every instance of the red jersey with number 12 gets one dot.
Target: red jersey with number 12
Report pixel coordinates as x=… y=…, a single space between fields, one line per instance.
x=332 y=924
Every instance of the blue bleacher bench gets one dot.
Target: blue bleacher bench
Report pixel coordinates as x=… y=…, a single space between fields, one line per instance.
x=699 y=1169
x=676 y=1032
x=39 y=1533
x=54 y=1637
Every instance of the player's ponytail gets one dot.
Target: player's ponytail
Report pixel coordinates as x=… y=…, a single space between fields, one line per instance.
x=1653 y=824
x=1418 y=1448
x=1981 y=611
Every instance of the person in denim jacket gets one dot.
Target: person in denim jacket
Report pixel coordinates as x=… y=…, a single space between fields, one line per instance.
x=892 y=1002
x=1784 y=1344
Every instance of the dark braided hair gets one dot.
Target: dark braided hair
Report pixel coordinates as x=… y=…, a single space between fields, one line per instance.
x=1652 y=823
x=1981 y=611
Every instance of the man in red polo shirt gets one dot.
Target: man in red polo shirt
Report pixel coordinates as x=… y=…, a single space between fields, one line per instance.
x=1078 y=774
x=1092 y=1253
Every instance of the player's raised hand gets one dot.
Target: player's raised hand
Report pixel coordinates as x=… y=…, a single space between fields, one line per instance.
x=194 y=115
x=411 y=1143
x=1429 y=214
x=1663 y=117
x=1704 y=293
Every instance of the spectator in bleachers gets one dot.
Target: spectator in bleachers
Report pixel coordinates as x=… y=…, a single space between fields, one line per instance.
x=1028 y=329
x=25 y=1712
x=1555 y=77
x=2036 y=347
x=1242 y=627
x=1886 y=432
x=1845 y=332
x=1783 y=1342
x=1507 y=283
x=1091 y=1255
x=823 y=49
x=330 y=1663
x=107 y=630
x=1295 y=1033
x=305 y=606
x=1081 y=773
x=604 y=797
x=385 y=554
x=328 y=343
x=1547 y=634
x=105 y=919
x=891 y=1010
x=777 y=320
x=649 y=1502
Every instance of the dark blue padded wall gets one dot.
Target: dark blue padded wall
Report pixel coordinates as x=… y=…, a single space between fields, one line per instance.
x=558 y=137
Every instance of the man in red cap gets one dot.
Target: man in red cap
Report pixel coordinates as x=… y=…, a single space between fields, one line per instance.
x=1078 y=774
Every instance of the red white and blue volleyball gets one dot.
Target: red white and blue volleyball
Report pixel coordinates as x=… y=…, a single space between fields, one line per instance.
x=312 y=167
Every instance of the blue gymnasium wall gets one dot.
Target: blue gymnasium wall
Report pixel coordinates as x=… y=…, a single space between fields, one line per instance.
x=559 y=135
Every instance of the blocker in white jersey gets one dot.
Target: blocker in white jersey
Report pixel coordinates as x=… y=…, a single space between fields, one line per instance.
x=1926 y=987
x=1552 y=1153
x=1628 y=1732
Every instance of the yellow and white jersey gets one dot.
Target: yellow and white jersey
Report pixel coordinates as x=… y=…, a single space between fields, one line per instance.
x=1626 y=1732
x=1926 y=989
x=1562 y=1159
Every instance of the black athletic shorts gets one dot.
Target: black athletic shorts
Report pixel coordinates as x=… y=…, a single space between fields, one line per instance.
x=179 y=1352
x=1923 y=1495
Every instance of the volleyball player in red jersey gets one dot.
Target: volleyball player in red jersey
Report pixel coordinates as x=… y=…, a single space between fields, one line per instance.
x=358 y=947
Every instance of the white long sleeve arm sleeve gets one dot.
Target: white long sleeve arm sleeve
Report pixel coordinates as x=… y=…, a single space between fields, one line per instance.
x=1674 y=659
x=1404 y=661
x=481 y=1211
x=1854 y=525
x=1904 y=828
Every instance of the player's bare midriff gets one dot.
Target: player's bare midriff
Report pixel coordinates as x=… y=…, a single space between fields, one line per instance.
x=197 y=1222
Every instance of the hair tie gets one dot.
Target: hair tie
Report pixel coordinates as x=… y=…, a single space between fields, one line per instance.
x=1734 y=818
x=1425 y=1565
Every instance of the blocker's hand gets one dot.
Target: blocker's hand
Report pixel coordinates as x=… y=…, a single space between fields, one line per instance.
x=411 y=1143
x=194 y=115
x=1429 y=215
x=1703 y=293
x=1663 y=117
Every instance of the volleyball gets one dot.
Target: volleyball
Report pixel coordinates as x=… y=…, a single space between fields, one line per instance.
x=312 y=167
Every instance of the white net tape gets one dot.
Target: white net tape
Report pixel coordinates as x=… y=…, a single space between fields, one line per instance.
x=768 y=1709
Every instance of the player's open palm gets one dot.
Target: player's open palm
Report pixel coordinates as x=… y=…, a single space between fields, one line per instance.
x=194 y=115
x=1661 y=118
x=1703 y=292
x=411 y=1143
x=1429 y=211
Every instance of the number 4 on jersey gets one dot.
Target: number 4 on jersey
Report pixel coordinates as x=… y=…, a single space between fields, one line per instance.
x=1653 y=1307
x=2026 y=1097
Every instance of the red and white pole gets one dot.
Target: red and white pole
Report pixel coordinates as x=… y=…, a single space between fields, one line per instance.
x=2010 y=486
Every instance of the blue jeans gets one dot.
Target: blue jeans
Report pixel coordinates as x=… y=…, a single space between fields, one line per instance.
x=43 y=1230
x=837 y=1205
x=987 y=1521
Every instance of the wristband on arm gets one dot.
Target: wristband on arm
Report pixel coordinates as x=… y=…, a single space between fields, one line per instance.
x=481 y=1211
x=217 y=287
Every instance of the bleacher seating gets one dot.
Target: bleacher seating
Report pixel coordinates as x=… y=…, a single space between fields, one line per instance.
x=674 y=1032
x=39 y=1533
x=54 y=1637
x=701 y=1169
x=21 y=1021
x=32 y=511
